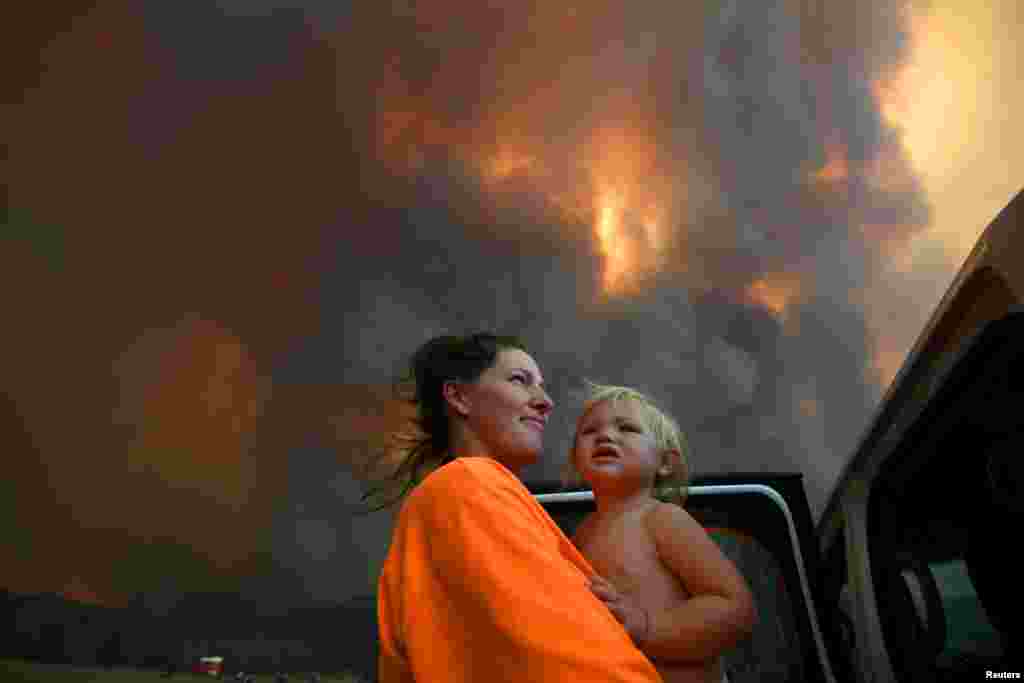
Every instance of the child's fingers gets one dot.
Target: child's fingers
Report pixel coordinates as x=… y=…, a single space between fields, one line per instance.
x=609 y=598
x=603 y=590
x=601 y=583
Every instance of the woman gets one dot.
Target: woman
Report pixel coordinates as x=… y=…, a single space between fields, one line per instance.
x=479 y=583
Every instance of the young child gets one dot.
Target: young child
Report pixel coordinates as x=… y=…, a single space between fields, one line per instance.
x=681 y=600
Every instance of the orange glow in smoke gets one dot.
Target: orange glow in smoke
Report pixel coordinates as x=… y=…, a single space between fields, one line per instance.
x=507 y=162
x=605 y=173
x=629 y=243
x=614 y=186
x=885 y=366
x=406 y=125
x=809 y=407
x=775 y=293
x=611 y=241
x=920 y=96
x=931 y=102
x=628 y=201
x=836 y=166
x=193 y=397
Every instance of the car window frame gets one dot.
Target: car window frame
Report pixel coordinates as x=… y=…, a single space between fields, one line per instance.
x=773 y=495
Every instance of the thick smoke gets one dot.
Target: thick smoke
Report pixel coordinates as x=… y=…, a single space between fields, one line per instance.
x=337 y=185
x=745 y=102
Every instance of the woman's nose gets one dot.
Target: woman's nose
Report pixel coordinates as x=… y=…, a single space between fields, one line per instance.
x=542 y=403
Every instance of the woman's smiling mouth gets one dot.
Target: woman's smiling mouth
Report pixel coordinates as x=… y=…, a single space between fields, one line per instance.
x=535 y=422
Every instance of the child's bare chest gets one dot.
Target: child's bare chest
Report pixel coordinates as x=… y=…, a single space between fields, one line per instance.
x=623 y=552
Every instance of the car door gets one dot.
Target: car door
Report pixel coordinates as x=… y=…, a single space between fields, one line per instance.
x=917 y=545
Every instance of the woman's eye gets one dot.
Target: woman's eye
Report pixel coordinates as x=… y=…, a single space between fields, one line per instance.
x=519 y=378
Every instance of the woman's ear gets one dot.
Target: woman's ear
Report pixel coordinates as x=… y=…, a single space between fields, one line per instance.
x=455 y=396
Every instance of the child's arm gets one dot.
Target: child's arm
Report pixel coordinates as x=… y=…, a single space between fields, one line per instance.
x=721 y=608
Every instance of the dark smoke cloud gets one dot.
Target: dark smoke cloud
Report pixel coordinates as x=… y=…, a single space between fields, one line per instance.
x=743 y=99
x=305 y=178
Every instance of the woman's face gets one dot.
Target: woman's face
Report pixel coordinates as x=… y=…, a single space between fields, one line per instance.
x=506 y=409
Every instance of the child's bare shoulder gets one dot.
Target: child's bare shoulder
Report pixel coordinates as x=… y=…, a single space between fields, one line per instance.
x=687 y=549
x=665 y=520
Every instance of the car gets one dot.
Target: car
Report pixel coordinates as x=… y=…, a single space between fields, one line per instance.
x=910 y=573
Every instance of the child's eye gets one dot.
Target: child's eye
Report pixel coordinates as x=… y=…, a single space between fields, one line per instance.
x=630 y=428
x=587 y=430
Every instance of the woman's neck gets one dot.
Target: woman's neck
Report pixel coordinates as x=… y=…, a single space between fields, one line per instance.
x=464 y=443
x=467 y=445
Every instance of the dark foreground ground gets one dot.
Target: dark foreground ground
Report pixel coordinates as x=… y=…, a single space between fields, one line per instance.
x=19 y=671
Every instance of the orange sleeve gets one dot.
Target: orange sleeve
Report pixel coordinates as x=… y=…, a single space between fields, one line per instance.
x=477 y=588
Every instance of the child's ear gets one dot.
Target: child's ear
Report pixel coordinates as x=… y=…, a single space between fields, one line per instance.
x=670 y=462
x=455 y=396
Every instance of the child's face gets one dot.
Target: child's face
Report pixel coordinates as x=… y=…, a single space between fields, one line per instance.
x=614 y=441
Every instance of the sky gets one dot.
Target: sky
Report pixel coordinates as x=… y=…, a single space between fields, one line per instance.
x=230 y=223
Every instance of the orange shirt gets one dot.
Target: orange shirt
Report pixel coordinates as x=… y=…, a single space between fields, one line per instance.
x=481 y=586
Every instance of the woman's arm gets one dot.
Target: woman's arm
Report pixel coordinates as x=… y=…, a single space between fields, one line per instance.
x=721 y=608
x=486 y=593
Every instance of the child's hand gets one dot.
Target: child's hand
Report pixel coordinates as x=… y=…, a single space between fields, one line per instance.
x=632 y=616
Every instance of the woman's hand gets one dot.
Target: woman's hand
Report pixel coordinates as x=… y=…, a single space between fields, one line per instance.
x=632 y=616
